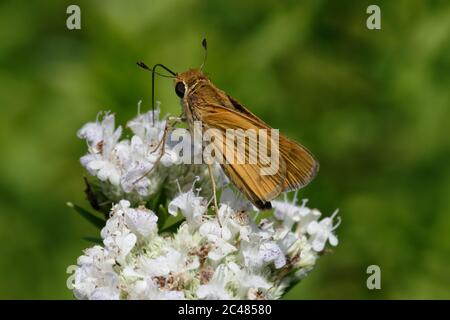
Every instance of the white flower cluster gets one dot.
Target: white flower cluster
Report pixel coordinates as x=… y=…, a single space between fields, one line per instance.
x=234 y=254
x=224 y=256
x=126 y=167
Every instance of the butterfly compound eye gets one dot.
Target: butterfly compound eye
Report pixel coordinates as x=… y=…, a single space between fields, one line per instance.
x=180 y=89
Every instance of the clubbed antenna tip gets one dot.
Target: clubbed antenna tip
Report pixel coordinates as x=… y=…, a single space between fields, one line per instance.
x=143 y=65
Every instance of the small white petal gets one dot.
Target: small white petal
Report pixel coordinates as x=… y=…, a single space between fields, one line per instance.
x=313 y=227
x=333 y=240
x=141 y=221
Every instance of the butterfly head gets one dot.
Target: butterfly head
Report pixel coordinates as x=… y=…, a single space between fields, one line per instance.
x=186 y=80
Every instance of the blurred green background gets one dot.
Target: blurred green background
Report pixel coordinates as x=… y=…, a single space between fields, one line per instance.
x=373 y=106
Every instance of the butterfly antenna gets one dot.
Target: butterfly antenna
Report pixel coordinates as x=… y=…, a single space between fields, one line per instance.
x=205 y=56
x=153 y=72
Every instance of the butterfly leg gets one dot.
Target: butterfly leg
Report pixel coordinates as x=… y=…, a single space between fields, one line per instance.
x=171 y=122
x=213 y=182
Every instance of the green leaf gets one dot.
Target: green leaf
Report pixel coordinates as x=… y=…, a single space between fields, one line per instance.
x=162 y=216
x=158 y=205
x=97 y=199
x=158 y=200
x=93 y=219
x=173 y=227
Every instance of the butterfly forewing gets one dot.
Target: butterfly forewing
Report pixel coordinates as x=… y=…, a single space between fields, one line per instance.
x=296 y=166
x=301 y=166
x=215 y=109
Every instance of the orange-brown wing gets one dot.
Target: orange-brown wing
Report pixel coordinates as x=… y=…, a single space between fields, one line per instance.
x=301 y=166
x=247 y=177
